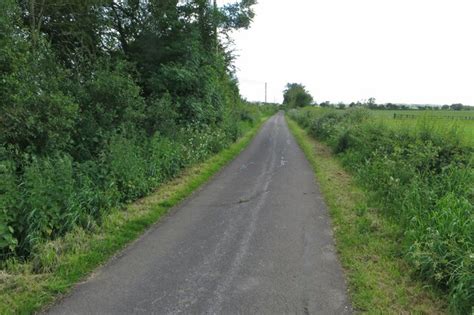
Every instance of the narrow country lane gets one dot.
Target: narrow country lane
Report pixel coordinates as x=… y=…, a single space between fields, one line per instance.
x=255 y=240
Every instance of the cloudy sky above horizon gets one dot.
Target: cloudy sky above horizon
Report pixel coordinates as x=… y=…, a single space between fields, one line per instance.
x=404 y=51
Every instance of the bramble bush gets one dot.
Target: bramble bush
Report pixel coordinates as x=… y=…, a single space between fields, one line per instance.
x=422 y=178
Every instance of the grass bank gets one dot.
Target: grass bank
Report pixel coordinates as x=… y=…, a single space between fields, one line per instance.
x=418 y=176
x=71 y=258
x=368 y=243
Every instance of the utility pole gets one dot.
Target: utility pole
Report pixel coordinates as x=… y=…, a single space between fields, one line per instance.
x=266 y=91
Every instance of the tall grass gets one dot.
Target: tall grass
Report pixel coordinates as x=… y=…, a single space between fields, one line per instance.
x=420 y=176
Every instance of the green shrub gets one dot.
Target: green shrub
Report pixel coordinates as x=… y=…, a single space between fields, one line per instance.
x=422 y=178
x=96 y=192
x=38 y=115
x=128 y=167
x=48 y=207
x=110 y=102
x=165 y=159
x=9 y=199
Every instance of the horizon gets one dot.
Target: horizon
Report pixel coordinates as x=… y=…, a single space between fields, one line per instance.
x=403 y=53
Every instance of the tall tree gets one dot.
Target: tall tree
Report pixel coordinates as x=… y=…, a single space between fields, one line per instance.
x=295 y=95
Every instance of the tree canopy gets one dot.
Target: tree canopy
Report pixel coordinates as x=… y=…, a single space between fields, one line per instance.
x=101 y=100
x=295 y=95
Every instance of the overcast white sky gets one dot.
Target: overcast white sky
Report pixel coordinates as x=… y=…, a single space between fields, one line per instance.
x=402 y=51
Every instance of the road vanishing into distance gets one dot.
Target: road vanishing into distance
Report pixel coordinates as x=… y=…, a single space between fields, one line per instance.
x=256 y=239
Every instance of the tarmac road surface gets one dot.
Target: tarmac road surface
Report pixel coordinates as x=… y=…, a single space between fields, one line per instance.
x=256 y=239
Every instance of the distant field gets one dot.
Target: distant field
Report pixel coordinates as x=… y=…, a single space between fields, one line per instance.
x=418 y=171
x=440 y=119
x=426 y=113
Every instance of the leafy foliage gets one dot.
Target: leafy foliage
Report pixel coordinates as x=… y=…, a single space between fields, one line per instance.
x=295 y=95
x=422 y=178
x=102 y=101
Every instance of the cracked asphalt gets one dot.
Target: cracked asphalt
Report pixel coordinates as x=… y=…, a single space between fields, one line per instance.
x=256 y=239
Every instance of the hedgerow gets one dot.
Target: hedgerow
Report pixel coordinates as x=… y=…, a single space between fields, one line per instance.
x=422 y=178
x=101 y=102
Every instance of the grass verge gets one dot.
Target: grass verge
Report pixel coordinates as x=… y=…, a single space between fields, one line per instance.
x=73 y=257
x=379 y=280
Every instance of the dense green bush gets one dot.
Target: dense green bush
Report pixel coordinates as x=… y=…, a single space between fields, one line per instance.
x=128 y=167
x=38 y=115
x=9 y=199
x=166 y=159
x=48 y=198
x=109 y=100
x=97 y=110
x=422 y=177
x=53 y=194
x=296 y=95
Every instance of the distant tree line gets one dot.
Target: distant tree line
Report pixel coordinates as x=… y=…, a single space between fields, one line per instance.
x=371 y=104
x=296 y=95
